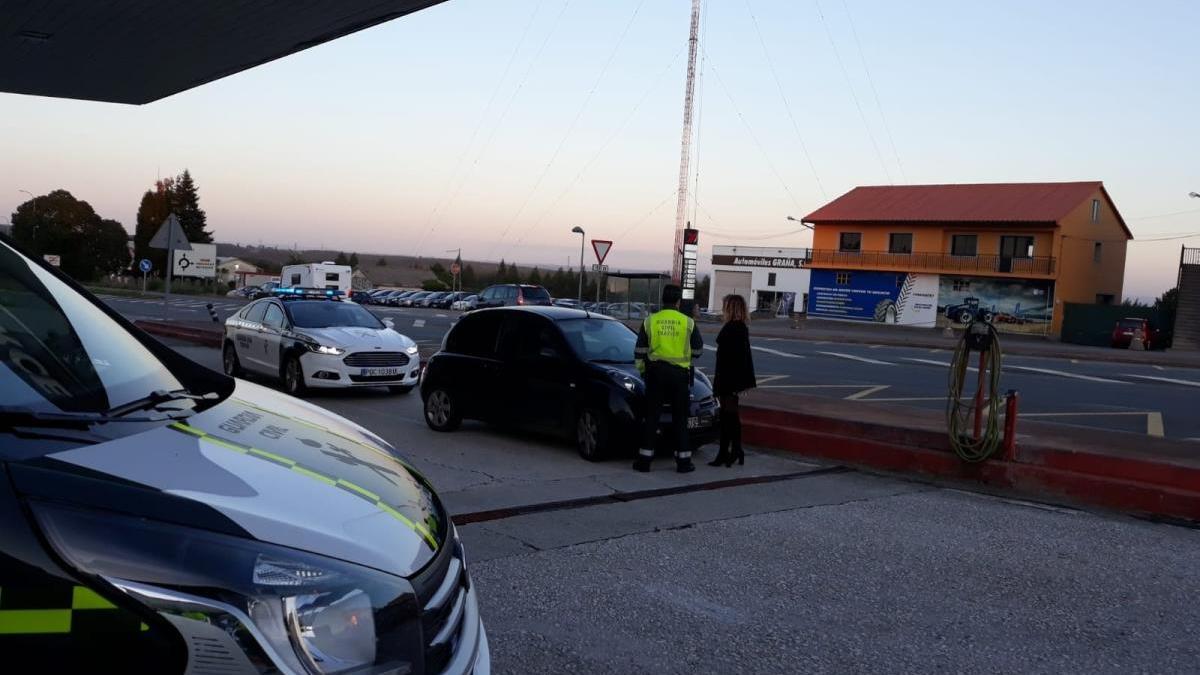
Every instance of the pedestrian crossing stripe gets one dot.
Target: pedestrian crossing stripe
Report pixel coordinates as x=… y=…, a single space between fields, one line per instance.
x=56 y=620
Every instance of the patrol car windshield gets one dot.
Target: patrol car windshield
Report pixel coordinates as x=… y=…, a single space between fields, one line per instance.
x=61 y=353
x=601 y=340
x=331 y=314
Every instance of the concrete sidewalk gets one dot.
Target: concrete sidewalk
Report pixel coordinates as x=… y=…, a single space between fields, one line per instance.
x=902 y=336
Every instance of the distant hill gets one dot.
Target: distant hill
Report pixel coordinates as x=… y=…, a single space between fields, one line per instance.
x=400 y=270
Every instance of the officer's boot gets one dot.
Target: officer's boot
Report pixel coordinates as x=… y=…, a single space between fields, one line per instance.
x=683 y=463
x=642 y=463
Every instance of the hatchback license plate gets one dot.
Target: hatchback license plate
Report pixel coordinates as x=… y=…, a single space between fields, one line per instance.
x=379 y=372
x=698 y=422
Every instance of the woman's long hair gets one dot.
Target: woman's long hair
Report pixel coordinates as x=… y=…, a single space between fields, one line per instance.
x=733 y=308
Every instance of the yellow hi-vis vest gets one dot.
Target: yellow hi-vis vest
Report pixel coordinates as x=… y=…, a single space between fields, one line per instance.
x=669 y=333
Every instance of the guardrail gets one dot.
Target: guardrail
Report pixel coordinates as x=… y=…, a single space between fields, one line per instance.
x=931 y=261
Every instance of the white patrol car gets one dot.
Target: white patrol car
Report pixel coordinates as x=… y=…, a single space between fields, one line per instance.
x=311 y=338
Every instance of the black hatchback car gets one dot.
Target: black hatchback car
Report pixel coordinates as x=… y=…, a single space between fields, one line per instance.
x=551 y=369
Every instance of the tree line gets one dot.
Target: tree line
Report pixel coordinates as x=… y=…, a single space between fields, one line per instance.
x=90 y=246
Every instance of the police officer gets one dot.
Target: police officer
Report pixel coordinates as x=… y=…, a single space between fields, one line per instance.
x=667 y=343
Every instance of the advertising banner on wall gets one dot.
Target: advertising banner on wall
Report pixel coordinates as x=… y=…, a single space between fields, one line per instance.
x=883 y=297
x=1012 y=305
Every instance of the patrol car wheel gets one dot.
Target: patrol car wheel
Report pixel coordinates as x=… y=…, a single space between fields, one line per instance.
x=293 y=378
x=441 y=413
x=229 y=360
x=591 y=435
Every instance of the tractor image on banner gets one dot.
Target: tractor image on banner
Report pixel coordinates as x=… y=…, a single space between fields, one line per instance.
x=880 y=297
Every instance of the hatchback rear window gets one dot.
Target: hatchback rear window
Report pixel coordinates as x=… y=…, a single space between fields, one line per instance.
x=1131 y=323
x=534 y=293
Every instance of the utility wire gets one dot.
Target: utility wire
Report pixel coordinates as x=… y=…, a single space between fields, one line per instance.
x=786 y=105
x=427 y=228
x=850 y=85
x=574 y=122
x=508 y=106
x=637 y=223
x=1165 y=215
x=717 y=74
x=604 y=146
x=871 y=80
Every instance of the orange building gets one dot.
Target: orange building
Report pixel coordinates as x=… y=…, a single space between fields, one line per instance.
x=929 y=254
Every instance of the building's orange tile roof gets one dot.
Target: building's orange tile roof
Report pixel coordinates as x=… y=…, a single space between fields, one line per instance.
x=962 y=203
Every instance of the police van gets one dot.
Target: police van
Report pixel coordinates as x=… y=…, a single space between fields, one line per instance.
x=160 y=517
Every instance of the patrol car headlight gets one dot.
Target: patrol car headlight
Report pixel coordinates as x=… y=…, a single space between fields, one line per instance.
x=325 y=349
x=285 y=610
x=411 y=351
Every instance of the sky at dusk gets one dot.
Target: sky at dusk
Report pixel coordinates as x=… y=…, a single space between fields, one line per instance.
x=498 y=126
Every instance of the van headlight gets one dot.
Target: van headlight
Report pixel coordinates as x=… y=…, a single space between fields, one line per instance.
x=283 y=609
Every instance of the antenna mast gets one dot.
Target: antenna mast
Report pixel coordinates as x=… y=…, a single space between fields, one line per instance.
x=685 y=151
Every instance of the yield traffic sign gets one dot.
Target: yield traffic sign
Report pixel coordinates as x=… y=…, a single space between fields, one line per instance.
x=601 y=247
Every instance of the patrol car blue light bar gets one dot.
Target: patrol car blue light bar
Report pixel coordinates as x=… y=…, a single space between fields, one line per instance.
x=304 y=292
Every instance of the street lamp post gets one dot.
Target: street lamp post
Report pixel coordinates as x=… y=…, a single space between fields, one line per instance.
x=1195 y=195
x=579 y=230
x=33 y=237
x=801 y=222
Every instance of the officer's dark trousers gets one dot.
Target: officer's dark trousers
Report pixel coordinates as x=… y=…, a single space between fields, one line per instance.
x=666 y=384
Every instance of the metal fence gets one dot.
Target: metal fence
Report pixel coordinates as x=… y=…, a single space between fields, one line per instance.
x=1044 y=265
x=1190 y=256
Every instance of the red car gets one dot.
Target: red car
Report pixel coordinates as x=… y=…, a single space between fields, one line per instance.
x=1127 y=328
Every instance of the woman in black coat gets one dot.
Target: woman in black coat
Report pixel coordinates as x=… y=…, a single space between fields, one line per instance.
x=734 y=375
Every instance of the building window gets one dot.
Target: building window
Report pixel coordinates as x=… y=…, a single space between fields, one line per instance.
x=961 y=285
x=843 y=278
x=850 y=242
x=1105 y=298
x=1095 y=210
x=963 y=244
x=770 y=278
x=1016 y=247
x=900 y=243
x=1097 y=251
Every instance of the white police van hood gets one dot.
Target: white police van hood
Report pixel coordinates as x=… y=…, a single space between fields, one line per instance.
x=288 y=473
x=355 y=338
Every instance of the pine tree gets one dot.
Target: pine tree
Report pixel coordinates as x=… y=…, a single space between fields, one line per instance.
x=501 y=272
x=469 y=280
x=151 y=214
x=354 y=260
x=341 y=259
x=185 y=202
x=382 y=262
x=535 y=277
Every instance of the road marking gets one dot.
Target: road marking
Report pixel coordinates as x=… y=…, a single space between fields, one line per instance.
x=1074 y=360
x=867 y=392
x=874 y=346
x=935 y=351
x=1192 y=439
x=1171 y=380
x=439 y=316
x=814 y=386
x=1154 y=425
x=769 y=378
x=419 y=323
x=776 y=352
x=1061 y=373
x=852 y=357
x=710 y=348
x=1158 y=367
x=937 y=363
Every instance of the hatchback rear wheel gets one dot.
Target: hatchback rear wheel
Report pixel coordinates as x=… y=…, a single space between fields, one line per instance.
x=441 y=412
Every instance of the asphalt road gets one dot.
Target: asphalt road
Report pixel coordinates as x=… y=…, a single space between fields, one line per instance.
x=802 y=569
x=1139 y=399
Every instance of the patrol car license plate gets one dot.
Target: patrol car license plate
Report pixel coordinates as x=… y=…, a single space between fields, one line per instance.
x=698 y=422
x=380 y=372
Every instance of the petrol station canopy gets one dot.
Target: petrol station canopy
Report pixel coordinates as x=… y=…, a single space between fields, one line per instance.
x=137 y=51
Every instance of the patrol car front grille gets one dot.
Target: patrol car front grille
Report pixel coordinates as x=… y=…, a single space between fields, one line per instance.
x=443 y=591
x=376 y=360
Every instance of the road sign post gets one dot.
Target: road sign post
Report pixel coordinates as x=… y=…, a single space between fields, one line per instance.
x=145 y=266
x=170 y=236
x=601 y=247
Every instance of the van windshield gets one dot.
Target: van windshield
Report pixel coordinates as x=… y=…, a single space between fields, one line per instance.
x=61 y=353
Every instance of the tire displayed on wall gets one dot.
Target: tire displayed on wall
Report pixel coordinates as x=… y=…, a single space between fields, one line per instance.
x=885 y=312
